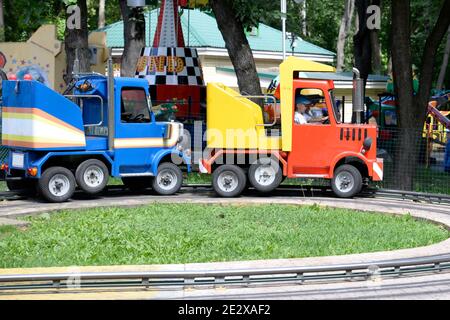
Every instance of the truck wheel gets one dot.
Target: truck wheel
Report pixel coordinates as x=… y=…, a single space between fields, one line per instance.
x=57 y=184
x=169 y=179
x=25 y=187
x=92 y=176
x=138 y=183
x=347 y=181
x=229 y=181
x=265 y=175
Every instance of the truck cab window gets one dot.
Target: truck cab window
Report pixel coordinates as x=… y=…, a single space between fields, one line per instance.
x=134 y=106
x=310 y=107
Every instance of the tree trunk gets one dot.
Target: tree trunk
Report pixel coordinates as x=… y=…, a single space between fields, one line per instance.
x=2 y=22
x=344 y=29
x=389 y=66
x=431 y=47
x=101 y=13
x=441 y=79
x=375 y=45
x=412 y=109
x=405 y=157
x=76 y=40
x=237 y=45
x=376 y=51
x=303 y=16
x=362 y=47
x=134 y=36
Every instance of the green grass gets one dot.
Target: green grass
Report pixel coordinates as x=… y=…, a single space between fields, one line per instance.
x=184 y=233
x=6 y=231
x=197 y=178
x=428 y=180
x=191 y=178
x=432 y=181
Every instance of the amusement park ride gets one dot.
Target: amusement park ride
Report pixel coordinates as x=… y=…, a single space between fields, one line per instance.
x=173 y=71
x=106 y=127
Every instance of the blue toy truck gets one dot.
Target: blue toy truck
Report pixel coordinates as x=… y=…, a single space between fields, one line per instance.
x=105 y=128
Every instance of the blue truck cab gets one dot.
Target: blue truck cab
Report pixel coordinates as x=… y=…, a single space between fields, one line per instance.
x=104 y=128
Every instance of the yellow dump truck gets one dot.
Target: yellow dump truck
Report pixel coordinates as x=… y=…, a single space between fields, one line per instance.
x=241 y=146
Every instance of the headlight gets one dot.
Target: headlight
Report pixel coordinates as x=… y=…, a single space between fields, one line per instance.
x=366 y=145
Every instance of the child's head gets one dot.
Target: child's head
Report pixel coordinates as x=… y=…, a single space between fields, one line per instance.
x=302 y=103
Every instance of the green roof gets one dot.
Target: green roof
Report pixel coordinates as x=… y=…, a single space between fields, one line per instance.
x=336 y=76
x=200 y=30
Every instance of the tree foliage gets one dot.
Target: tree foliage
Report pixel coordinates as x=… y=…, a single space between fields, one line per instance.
x=232 y=20
x=23 y=17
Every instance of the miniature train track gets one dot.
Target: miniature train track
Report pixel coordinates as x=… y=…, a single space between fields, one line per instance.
x=305 y=190
x=438 y=264
x=356 y=271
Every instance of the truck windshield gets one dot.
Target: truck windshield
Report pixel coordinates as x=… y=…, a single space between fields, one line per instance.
x=336 y=111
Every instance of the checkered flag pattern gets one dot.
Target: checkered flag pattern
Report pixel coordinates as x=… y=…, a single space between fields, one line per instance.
x=170 y=66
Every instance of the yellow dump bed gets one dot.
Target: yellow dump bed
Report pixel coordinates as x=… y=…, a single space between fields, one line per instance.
x=235 y=122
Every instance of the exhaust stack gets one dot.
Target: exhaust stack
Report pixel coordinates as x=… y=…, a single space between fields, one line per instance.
x=358 y=95
x=76 y=65
x=110 y=104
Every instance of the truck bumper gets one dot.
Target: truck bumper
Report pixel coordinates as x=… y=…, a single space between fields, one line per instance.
x=204 y=166
x=19 y=163
x=377 y=170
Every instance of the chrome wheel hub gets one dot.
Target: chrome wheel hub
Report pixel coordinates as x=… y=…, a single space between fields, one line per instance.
x=59 y=185
x=227 y=181
x=344 y=182
x=93 y=176
x=265 y=175
x=167 y=179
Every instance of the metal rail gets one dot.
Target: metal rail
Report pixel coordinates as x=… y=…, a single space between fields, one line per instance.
x=11 y=195
x=411 y=195
x=361 y=271
x=369 y=192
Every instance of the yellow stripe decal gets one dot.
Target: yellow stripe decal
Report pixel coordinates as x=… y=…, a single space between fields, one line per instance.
x=34 y=128
x=130 y=143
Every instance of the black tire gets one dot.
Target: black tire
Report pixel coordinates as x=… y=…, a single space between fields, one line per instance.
x=24 y=187
x=351 y=176
x=234 y=172
x=257 y=184
x=99 y=178
x=168 y=180
x=138 y=183
x=54 y=172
